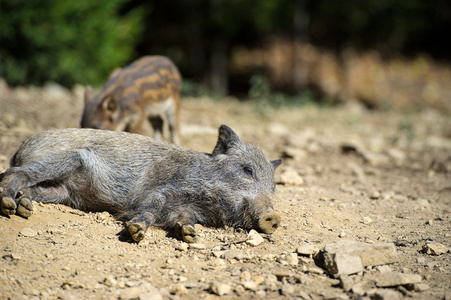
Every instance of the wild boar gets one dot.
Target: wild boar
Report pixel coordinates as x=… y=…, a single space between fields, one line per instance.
x=147 y=88
x=144 y=181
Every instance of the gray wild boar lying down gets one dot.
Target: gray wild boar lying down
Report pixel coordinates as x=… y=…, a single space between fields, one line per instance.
x=144 y=181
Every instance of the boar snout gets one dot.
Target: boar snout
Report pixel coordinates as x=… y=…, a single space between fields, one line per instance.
x=269 y=222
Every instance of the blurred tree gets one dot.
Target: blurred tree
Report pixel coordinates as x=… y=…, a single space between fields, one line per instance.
x=65 y=41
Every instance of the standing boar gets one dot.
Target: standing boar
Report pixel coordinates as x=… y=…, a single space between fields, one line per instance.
x=148 y=88
x=144 y=181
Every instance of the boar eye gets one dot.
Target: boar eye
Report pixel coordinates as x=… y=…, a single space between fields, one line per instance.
x=249 y=171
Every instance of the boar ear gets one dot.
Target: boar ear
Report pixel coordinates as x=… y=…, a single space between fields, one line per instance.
x=227 y=138
x=89 y=93
x=276 y=163
x=108 y=103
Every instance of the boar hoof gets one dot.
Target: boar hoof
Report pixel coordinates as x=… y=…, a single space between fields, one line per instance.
x=8 y=206
x=269 y=222
x=25 y=208
x=188 y=233
x=136 y=231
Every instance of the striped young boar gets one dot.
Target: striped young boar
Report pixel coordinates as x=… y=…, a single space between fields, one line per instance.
x=145 y=89
x=144 y=181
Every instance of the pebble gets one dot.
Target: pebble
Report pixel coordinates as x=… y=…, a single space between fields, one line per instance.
x=233 y=254
x=220 y=288
x=292 y=259
x=28 y=232
x=110 y=281
x=420 y=287
x=197 y=246
x=367 y=220
x=385 y=294
x=130 y=293
x=179 y=290
x=435 y=249
x=250 y=285
x=389 y=279
x=290 y=177
x=306 y=250
x=254 y=238
x=182 y=246
x=346 y=282
x=287 y=289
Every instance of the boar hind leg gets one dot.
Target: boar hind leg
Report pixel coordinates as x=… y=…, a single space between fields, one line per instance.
x=185 y=227
x=16 y=184
x=139 y=224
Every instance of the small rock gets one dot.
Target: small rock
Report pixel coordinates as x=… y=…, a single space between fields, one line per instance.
x=315 y=270
x=383 y=269
x=306 y=250
x=280 y=274
x=420 y=287
x=390 y=279
x=346 y=282
x=370 y=254
x=290 y=177
x=254 y=238
x=150 y=292
x=287 y=289
x=179 y=290
x=358 y=289
x=421 y=260
x=294 y=153
x=110 y=281
x=367 y=220
x=182 y=246
x=342 y=263
x=232 y=254
x=130 y=293
x=435 y=249
x=28 y=232
x=385 y=294
x=292 y=259
x=220 y=288
x=250 y=285
x=197 y=246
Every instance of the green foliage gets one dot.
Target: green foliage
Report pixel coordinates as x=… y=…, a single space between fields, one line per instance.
x=64 y=41
x=265 y=98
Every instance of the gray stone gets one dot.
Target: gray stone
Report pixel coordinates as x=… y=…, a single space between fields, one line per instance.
x=254 y=238
x=341 y=263
x=385 y=294
x=130 y=293
x=287 y=289
x=420 y=287
x=346 y=282
x=290 y=177
x=370 y=254
x=306 y=249
x=435 y=249
x=28 y=232
x=233 y=254
x=220 y=288
x=390 y=279
x=197 y=246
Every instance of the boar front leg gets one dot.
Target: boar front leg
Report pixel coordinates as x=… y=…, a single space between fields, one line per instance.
x=185 y=227
x=138 y=225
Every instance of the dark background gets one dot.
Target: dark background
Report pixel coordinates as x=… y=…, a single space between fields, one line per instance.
x=82 y=41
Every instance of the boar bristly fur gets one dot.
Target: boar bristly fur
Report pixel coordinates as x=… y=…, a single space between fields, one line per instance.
x=144 y=181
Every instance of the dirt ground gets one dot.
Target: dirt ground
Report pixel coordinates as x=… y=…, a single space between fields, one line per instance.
x=348 y=173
